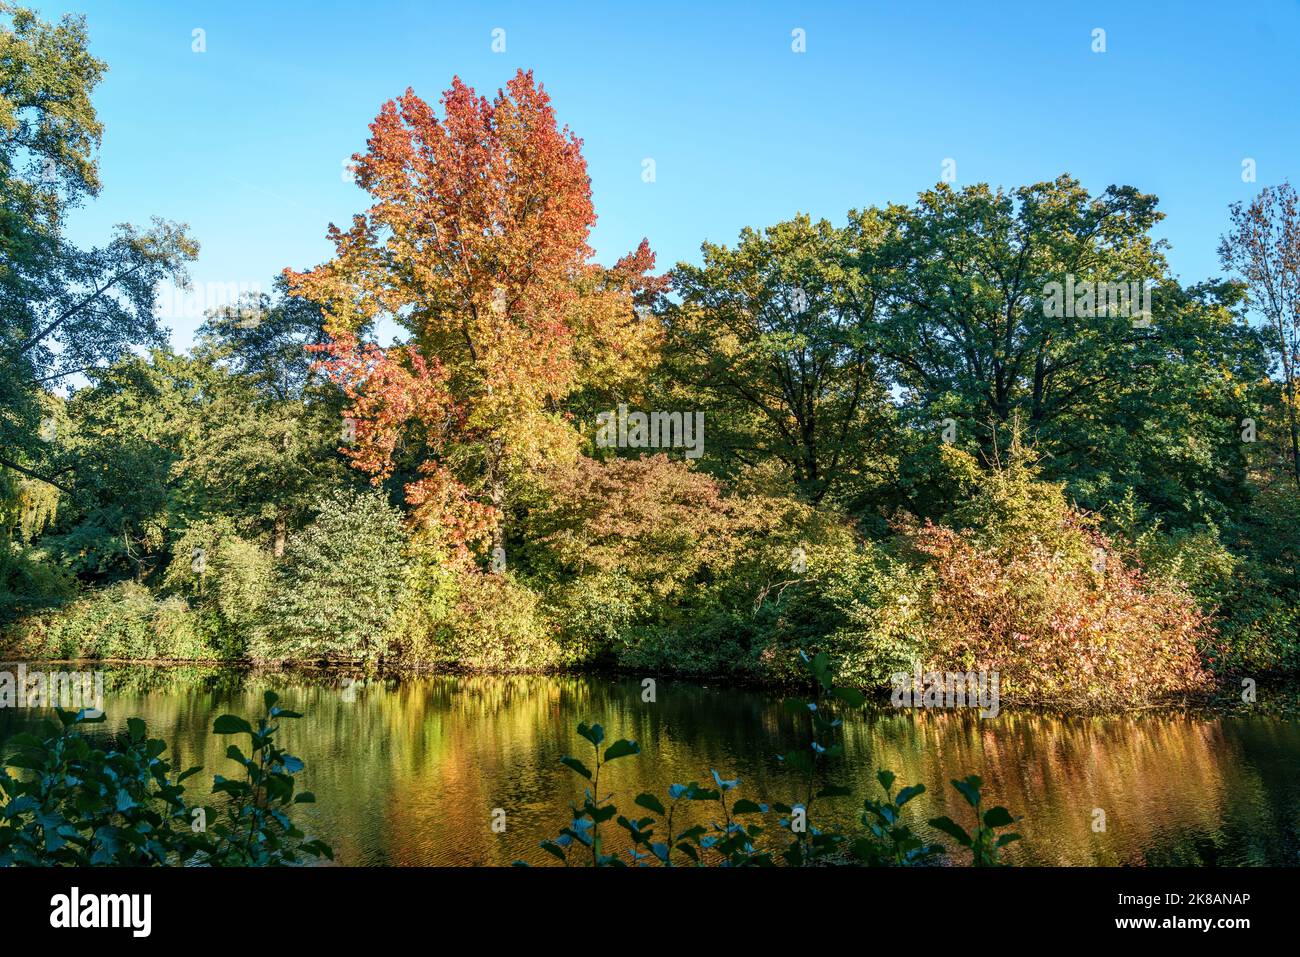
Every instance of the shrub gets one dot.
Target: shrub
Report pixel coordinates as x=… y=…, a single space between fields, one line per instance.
x=29 y=582
x=593 y=615
x=227 y=579
x=648 y=564
x=341 y=582
x=124 y=621
x=497 y=625
x=415 y=633
x=1030 y=588
x=75 y=802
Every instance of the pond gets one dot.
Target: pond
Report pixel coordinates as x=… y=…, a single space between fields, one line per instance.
x=409 y=770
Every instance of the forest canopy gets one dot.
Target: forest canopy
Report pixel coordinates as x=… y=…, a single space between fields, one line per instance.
x=986 y=429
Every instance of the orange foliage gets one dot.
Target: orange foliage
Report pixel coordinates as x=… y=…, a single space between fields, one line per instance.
x=476 y=241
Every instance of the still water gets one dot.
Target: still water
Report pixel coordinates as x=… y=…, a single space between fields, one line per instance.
x=409 y=771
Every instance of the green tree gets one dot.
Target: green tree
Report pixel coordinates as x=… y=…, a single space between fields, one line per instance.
x=62 y=309
x=774 y=341
x=268 y=446
x=341 y=581
x=1002 y=307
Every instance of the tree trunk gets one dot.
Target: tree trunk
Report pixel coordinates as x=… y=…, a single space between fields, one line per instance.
x=281 y=531
x=1295 y=429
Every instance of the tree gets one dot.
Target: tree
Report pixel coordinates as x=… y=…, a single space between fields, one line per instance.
x=476 y=244
x=776 y=340
x=63 y=310
x=121 y=446
x=341 y=581
x=265 y=449
x=965 y=275
x=1031 y=306
x=1263 y=248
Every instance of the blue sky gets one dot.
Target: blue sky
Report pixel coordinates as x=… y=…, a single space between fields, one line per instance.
x=247 y=141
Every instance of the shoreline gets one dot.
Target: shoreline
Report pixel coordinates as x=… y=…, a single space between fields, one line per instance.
x=1220 y=699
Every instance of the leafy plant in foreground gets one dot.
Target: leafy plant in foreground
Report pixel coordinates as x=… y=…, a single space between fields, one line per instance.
x=985 y=843
x=736 y=836
x=257 y=829
x=75 y=802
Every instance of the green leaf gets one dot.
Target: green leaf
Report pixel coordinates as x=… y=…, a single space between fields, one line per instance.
x=851 y=697
x=621 y=749
x=998 y=817
x=908 y=793
x=970 y=789
x=270 y=698
x=292 y=765
x=951 y=828
x=821 y=669
x=231 y=724
x=746 y=806
x=576 y=765
x=650 y=803
x=593 y=733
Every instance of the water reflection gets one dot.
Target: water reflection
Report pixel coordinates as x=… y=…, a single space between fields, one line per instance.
x=408 y=771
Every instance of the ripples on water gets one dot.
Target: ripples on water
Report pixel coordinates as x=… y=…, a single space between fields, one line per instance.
x=408 y=771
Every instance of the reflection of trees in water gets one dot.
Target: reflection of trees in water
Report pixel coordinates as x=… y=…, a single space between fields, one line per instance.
x=407 y=769
x=1175 y=783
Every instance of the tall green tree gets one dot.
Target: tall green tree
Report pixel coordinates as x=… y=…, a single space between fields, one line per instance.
x=268 y=446
x=63 y=309
x=1029 y=306
x=775 y=340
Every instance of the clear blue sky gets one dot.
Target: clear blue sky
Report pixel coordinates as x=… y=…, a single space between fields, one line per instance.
x=246 y=142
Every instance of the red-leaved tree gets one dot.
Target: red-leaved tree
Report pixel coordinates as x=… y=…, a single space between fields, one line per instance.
x=476 y=242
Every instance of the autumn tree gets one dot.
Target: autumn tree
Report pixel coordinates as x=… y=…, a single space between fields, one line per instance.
x=475 y=243
x=1263 y=248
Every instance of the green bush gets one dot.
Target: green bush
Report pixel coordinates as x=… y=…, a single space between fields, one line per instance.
x=497 y=625
x=75 y=802
x=341 y=582
x=227 y=579
x=124 y=621
x=29 y=582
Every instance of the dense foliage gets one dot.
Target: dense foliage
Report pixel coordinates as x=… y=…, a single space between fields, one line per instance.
x=915 y=454
x=75 y=799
